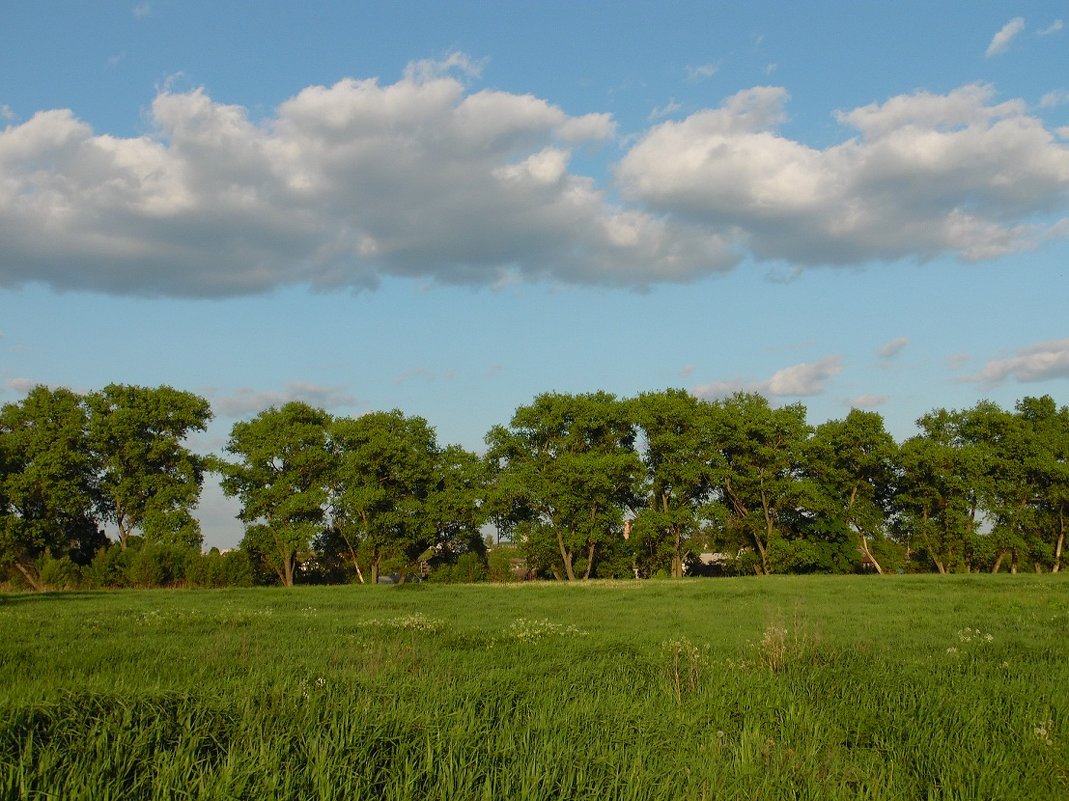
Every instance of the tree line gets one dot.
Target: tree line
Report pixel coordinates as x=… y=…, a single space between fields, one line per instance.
x=575 y=486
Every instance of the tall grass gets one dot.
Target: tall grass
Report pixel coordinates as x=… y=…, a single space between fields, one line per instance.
x=830 y=688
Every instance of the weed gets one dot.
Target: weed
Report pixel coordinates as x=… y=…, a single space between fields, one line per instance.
x=782 y=646
x=684 y=664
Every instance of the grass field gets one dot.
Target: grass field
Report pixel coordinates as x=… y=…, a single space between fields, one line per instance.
x=825 y=688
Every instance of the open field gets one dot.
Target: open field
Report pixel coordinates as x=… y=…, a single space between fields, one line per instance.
x=829 y=687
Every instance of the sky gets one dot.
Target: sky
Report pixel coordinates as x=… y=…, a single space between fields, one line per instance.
x=449 y=208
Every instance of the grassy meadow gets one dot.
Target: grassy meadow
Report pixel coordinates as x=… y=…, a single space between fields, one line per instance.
x=902 y=687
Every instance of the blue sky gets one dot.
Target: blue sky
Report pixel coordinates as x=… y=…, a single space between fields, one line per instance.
x=448 y=208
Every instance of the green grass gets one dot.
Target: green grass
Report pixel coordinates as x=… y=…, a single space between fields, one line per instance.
x=825 y=688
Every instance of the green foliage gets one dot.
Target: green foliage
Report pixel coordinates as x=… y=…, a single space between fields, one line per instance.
x=281 y=478
x=470 y=567
x=48 y=482
x=566 y=469
x=760 y=475
x=500 y=566
x=395 y=493
x=852 y=464
x=59 y=574
x=682 y=466
x=149 y=480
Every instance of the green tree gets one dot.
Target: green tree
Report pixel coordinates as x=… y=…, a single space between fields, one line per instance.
x=48 y=474
x=1048 y=425
x=150 y=481
x=1026 y=487
x=455 y=502
x=281 y=478
x=760 y=458
x=385 y=470
x=852 y=464
x=938 y=505
x=566 y=470
x=681 y=464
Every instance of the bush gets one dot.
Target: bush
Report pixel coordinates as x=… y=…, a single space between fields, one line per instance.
x=499 y=563
x=159 y=564
x=109 y=567
x=59 y=574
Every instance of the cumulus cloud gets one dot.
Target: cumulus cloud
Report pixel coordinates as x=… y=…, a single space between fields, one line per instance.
x=924 y=175
x=247 y=401
x=893 y=348
x=1054 y=27
x=342 y=185
x=799 y=380
x=1001 y=40
x=1039 y=362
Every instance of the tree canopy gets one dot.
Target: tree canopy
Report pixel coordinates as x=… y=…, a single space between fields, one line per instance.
x=584 y=486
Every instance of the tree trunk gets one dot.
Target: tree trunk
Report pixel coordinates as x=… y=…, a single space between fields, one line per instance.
x=352 y=555
x=566 y=556
x=375 y=570
x=998 y=562
x=589 y=561
x=124 y=530
x=288 y=569
x=1060 y=546
x=769 y=529
x=34 y=581
x=863 y=540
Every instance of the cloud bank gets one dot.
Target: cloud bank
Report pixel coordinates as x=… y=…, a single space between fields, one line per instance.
x=925 y=175
x=344 y=185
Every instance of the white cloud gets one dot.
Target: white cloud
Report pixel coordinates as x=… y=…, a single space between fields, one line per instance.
x=893 y=348
x=1059 y=97
x=702 y=71
x=21 y=385
x=807 y=378
x=341 y=186
x=7 y=114
x=1054 y=27
x=142 y=10
x=667 y=110
x=799 y=380
x=868 y=401
x=1039 y=362
x=1001 y=40
x=925 y=175
x=956 y=361
x=246 y=401
x=425 y=178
